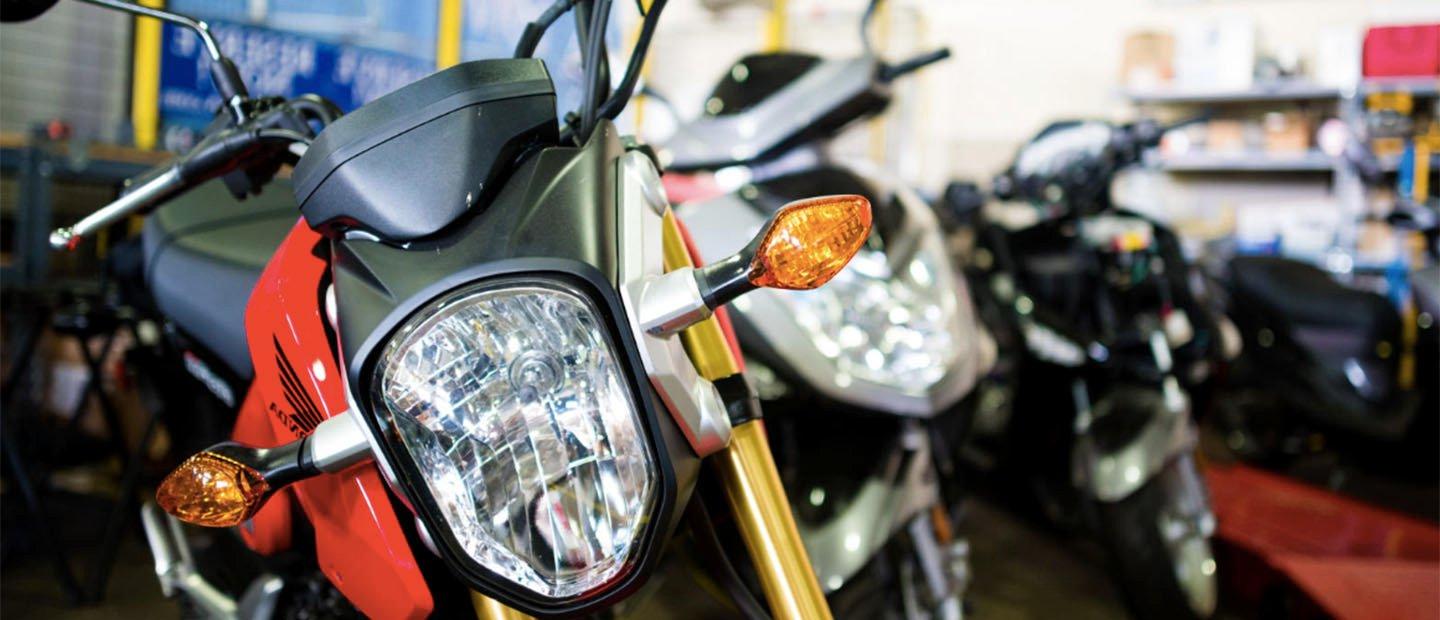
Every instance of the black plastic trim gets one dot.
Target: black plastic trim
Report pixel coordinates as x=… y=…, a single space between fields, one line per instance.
x=741 y=401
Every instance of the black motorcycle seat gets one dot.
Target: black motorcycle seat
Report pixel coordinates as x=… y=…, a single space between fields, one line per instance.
x=204 y=252
x=1302 y=295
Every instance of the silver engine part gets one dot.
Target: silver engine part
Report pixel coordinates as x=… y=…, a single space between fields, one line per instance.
x=175 y=568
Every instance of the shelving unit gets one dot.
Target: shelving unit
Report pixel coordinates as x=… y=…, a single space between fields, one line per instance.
x=1419 y=87
x=1289 y=90
x=1347 y=186
x=1311 y=161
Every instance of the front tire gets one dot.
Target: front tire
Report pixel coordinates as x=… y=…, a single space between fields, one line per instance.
x=1159 y=540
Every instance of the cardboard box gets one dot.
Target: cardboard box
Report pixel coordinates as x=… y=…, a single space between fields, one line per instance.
x=1225 y=136
x=1147 y=60
x=1287 y=132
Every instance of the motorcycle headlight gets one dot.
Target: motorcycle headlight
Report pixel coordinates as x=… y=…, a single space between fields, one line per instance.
x=514 y=407
x=894 y=326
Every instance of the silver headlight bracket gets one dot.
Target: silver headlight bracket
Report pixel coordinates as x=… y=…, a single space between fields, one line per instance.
x=655 y=302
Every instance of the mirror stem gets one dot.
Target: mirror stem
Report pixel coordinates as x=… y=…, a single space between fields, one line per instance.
x=223 y=72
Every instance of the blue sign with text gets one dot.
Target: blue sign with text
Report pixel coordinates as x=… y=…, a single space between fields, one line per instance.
x=273 y=63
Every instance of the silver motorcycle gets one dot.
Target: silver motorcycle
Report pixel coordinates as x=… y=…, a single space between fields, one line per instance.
x=866 y=381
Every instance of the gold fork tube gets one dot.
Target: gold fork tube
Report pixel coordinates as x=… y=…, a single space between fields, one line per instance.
x=762 y=513
x=487 y=608
x=747 y=472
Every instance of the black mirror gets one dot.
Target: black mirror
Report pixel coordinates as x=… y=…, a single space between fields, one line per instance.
x=23 y=10
x=961 y=202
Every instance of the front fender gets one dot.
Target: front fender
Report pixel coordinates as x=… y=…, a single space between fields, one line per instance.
x=1112 y=470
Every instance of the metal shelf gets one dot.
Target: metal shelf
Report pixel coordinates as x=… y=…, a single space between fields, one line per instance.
x=1292 y=90
x=1422 y=86
x=1313 y=161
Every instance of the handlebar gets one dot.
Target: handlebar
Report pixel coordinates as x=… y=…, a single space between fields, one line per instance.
x=163 y=182
x=217 y=155
x=888 y=72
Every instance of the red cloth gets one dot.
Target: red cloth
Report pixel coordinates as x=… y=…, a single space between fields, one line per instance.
x=1402 y=51
x=1352 y=559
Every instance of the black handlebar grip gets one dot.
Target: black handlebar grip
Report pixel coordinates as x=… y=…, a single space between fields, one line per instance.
x=217 y=154
x=890 y=72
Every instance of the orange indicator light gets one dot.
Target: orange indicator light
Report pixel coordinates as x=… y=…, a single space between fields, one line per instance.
x=211 y=490
x=810 y=241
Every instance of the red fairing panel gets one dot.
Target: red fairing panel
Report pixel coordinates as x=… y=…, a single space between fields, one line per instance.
x=268 y=532
x=358 y=540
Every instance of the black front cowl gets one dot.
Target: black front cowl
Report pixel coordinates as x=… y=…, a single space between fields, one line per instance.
x=410 y=163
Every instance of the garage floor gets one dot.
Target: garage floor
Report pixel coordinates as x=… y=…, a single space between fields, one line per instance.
x=1020 y=571
x=1023 y=571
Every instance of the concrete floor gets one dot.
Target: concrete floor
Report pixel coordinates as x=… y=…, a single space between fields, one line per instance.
x=29 y=588
x=1021 y=571
x=1024 y=571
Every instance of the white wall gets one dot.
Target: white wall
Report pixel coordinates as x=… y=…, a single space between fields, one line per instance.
x=73 y=63
x=1017 y=64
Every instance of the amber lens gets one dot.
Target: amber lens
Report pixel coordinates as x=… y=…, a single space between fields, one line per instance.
x=810 y=241
x=211 y=490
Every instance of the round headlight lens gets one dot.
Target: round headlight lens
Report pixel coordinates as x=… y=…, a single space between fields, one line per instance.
x=893 y=328
x=511 y=402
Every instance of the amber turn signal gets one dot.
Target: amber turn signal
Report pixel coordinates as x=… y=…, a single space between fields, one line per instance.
x=212 y=490
x=810 y=241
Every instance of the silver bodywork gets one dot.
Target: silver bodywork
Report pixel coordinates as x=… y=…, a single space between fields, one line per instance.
x=884 y=505
x=724 y=140
x=1113 y=476
x=176 y=569
x=900 y=495
x=1169 y=434
x=691 y=399
x=721 y=225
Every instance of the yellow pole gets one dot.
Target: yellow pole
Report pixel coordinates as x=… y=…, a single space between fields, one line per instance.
x=638 y=103
x=145 y=79
x=447 y=34
x=775 y=25
x=878 y=124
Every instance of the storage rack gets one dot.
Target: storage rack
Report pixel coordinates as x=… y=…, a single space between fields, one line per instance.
x=38 y=163
x=1347 y=185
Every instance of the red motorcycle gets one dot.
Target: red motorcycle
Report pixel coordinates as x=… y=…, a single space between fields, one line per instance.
x=483 y=370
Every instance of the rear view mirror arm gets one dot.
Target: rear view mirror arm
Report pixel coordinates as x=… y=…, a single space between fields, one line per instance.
x=222 y=71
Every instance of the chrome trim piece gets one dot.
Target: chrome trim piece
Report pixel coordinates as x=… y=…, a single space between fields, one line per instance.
x=338 y=442
x=133 y=200
x=944 y=587
x=671 y=303
x=175 y=566
x=262 y=597
x=691 y=399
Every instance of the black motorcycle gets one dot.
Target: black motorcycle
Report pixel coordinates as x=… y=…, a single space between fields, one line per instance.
x=1103 y=347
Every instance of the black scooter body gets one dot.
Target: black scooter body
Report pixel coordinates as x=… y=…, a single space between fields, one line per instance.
x=1321 y=356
